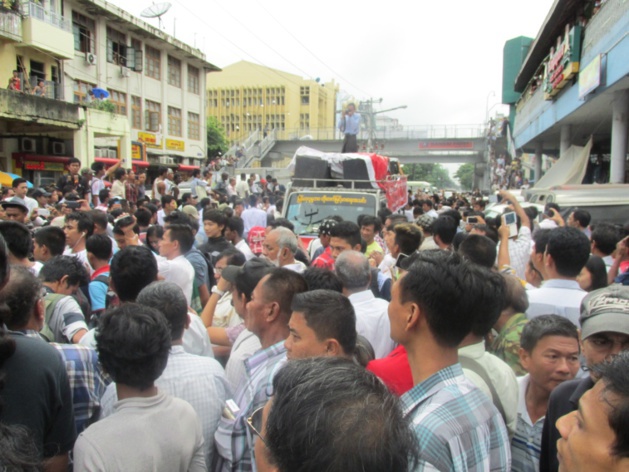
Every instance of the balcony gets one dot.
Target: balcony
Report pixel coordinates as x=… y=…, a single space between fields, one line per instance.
x=47 y=31
x=10 y=24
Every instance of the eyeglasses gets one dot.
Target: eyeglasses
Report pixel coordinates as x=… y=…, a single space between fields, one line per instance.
x=254 y=422
x=218 y=270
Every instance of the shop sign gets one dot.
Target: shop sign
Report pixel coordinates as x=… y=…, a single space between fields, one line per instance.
x=151 y=140
x=175 y=145
x=137 y=152
x=563 y=62
x=46 y=166
x=590 y=77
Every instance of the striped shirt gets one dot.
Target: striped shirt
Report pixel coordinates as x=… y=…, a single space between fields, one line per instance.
x=457 y=426
x=526 y=445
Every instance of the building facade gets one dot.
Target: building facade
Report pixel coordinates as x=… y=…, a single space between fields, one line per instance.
x=572 y=88
x=154 y=114
x=247 y=97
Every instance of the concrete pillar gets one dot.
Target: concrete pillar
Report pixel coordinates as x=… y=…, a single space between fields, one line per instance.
x=565 y=143
x=539 y=150
x=619 y=136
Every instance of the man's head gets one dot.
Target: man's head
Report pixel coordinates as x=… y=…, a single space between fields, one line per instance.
x=98 y=247
x=407 y=237
x=442 y=297
x=133 y=342
x=344 y=236
x=168 y=203
x=567 y=251
x=244 y=281
x=479 y=249
x=15 y=210
x=320 y=278
x=271 y=301
x=352 y=268
x=98 y=168
x=427 y=205
x=78 y=227
x=331 y=414
x=214 y=223
x=235 y=229
x=444 y=230
x=280 y=246
x=64 y=275
x=370 y=226
x=605 y=236
x=22 y=295
x=132 y=269
x=169 y=299
x=322 y=323
x=604 y=324
x=549 y=351
x=18 y=239
x=579 y=219
x=177 y=240
x=596 y=436
x=48 y=242
x=20 y=187
x=120 y=173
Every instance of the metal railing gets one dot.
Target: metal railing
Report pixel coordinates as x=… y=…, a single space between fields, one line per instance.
x=34 y=10
x=10 y=24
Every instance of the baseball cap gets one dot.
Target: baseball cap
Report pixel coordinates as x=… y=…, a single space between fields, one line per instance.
x=191 y=211
x=86 y=170
x=326 y=226
x=425 y=222
x=255 y=267
x=40 y=192
x=15 y=202
x=605 y=310
x=255 y=238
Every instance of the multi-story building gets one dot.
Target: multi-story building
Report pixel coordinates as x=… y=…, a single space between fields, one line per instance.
x=571 y=88
x=154 y=114
x=247 y=97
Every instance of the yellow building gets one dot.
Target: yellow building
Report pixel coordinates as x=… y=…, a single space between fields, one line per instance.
x=247 y=97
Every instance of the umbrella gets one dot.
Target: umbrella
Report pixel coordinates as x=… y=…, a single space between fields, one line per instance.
x=100 y=93
x=7 y=178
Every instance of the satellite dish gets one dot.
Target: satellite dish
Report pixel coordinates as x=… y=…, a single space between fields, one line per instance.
x=156 y=11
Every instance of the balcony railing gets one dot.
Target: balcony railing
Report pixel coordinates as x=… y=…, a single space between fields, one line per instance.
x=10 y=24
x=37 y=11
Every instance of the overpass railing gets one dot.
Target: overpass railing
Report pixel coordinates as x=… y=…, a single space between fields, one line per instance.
x=402 y=132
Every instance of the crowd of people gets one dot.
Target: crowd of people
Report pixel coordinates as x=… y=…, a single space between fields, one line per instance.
x=195 y=331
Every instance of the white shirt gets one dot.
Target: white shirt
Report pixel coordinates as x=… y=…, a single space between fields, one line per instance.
x=242 y=189
x=253 y=217
x=178 y=271
x=432 y=213
x=81 y=256
x=31 y=203
x=556 y=297
x=97 y=185
x=372 y=321
x=520 y=251
x=296 y=266
x=526 y=445
x=243 y=247
x=196 y=339
x=502 y=377
x=244 y=347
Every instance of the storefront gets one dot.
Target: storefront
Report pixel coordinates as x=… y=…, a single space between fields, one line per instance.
x=41 y=170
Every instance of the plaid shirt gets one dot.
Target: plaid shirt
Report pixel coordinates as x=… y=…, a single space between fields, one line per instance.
x=233 y=440
x=87 y=382
x=457 y=426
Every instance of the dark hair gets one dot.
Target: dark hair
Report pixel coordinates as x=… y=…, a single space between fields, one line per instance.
x=133 y=342
x=169 y=299
x=445 y=228
x=255 y=269
x=18 y=451
x=119 y=173
x=328 y=413
x=21 y=294
x=161 y=170
x=18 y=181
x=99 y=218
x=570 y=250
x=183 y=235
x=408 y=237
x=428 y=202
x=454 y=294
x=281 y=286
x=217 y=217
x=596 y=267
x=97 y=167
x=232 y=257
x=103 y=195
x=615 y=375
x=73 y=160
x=320 y=278
x=52 y=237
x=166 y=199
x=368 y=220
x=100 y=246
x=605 y=236
x=540 y=238
x=237 y=225
x=455 y=215
x=330 y=315
x=282 y=223
x=546 y=325
x=59 y=266
x=84 y=222
x=515 y=294
x=143 y=216
x=347 y=230
x=132 y=269
x=458 y=239
x=479 y=249
x=17 y=237
x=583 y=217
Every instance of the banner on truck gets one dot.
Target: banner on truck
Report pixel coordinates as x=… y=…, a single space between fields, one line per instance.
x=396 y=193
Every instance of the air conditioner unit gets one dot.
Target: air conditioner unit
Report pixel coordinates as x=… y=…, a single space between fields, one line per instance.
x=112 y=154
x=166 y=160
x=90 y=58
x=58 y=149
x=28 y=145
x=124 y=71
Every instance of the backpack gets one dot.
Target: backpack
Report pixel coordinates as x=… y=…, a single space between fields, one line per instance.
x=110 y=299
x=50 y=303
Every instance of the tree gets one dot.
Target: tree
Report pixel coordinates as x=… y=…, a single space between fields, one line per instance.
x=216 y=138
x=432 y=173
x=465 y=174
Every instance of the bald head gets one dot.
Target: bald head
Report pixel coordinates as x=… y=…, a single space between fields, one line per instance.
x=352 y=267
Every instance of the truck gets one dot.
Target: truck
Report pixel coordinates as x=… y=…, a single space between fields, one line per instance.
x=324 y=185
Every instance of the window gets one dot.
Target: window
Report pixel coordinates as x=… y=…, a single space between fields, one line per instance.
x=84 y=30
x=174 y=71
x=194 y=126
x=193 y=80
x=134 y=56
x=153 y=116
x=153 y=63
x=136 y=112
x=305 y=95
x=81 y=90
x=119 y=100
x=116 y=47
x=304 y=121
x=174 y=121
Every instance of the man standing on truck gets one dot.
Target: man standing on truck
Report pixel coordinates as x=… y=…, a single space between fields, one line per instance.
x=349 y=124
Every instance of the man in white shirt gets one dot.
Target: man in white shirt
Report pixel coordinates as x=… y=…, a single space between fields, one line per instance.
x=372 y=320
x=519 y=245
x=567 y=251
x=253 y=216
x=20 y=187
x=78 y=227
x=280 y=247
x=98 y=182
x=242 y=188
x=233 y=233
x=171 y=262
x=604 y=238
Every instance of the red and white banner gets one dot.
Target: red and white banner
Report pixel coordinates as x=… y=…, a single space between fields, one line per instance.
x=395 y=190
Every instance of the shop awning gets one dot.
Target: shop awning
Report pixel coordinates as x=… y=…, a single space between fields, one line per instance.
x=187 y=168
x=23 y=156
x=569 y=169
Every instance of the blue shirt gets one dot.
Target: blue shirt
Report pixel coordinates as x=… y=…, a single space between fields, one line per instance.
x=350 y=124
x=457 y=426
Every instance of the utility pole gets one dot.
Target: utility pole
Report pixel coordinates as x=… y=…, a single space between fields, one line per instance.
x=368 y=114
